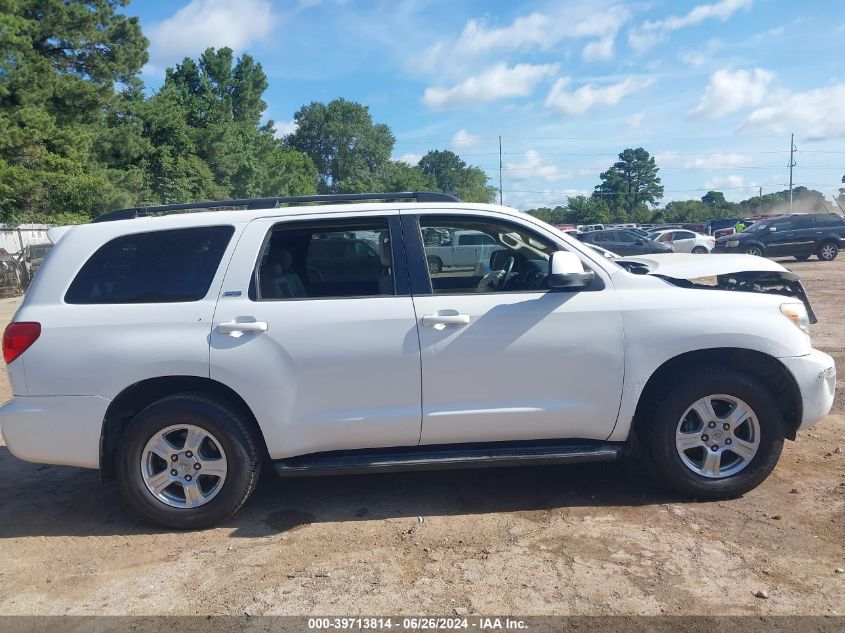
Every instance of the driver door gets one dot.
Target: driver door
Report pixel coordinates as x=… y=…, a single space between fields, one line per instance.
x=504 y=357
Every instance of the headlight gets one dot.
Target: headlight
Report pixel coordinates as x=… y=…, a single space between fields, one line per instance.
x=732 y=243
x=797 y=313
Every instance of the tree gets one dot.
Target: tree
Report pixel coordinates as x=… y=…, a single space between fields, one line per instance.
x=60 y=63
x=714 y=199
x=630 y=185
x=344 y=143
x=450 y=174
x=841 y=198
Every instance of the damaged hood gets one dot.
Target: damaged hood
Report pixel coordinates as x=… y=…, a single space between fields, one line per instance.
x=744 y=273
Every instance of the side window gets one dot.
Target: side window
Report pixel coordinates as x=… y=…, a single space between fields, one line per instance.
x=783 y=225
x=171 y=266
x=326 y=260
x=829 y=220
x=666 y=237
x=684 y=235
x=602 y=236
x=504 y=257
x=804 y=222
x=625 y=237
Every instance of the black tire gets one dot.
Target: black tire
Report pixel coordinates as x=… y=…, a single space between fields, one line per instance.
x=754 y=250
x=802 y=258
x=827 y=251
x=699 y=250
x=435 y=265
x=228 y=427
x=659 y=423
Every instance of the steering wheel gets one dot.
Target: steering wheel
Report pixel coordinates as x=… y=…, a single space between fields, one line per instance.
x=503 y=280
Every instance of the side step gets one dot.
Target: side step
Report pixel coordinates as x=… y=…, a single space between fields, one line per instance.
x=447 y=456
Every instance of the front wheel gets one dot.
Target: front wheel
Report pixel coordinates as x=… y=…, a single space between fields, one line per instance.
x=754 y=250
x=827 y=252
x=699 y=250
x=714 y=433
x=435 y=265
x=188 y=461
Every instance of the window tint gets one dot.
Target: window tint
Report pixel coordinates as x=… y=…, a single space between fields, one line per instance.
x=154 y=267
x=829 y=220
x=601 y=236
x=503 y=257
x=666 y=237
x=803 y=222
x=684 y=235
x=625 y=237
x=325 y=259
x=783 y=225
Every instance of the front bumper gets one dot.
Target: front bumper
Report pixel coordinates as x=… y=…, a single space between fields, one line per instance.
x=815 y=374
x=54 y=429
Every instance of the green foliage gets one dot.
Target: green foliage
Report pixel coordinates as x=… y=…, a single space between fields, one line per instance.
x=347 y=148
x=630 y=186
x=450 y=174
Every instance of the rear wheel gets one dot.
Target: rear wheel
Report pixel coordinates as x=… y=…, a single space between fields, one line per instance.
x=754 y=250
x=714 y=433
x=435 y=265
x=827 y=251
x=188 y=461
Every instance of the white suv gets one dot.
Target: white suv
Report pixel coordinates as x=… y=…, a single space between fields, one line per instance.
x=182 y=353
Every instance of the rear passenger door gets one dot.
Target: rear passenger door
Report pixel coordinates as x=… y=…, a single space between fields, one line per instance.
x=315 y=329
x=683 y=241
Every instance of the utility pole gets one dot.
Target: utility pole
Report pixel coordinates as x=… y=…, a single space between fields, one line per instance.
x=500 y=169
x=761 y=197
x=792 y=149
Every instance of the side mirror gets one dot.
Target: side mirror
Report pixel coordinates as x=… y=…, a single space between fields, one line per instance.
x=567 y=271
x=641 y=241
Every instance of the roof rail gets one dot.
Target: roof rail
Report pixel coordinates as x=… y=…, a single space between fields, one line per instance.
x=263 y=203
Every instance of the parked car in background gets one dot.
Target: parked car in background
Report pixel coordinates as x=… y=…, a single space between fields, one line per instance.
x=624 y=242
x=467 y=249
x=686 y=241
x=586 y=228
x=797 y=235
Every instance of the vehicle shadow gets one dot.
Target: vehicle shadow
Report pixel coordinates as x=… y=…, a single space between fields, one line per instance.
x=37 y=500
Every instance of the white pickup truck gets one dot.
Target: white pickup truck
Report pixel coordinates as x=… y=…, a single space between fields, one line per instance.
x=466 y=249
x=182 y=354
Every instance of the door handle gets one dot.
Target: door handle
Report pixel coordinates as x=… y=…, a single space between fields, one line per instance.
x=440 y=321
x=235 y=329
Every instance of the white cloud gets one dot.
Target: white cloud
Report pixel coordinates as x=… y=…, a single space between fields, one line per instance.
x=725 y=182
x=653 y=32
x=411 y=159
x=635 y=120
x=720 y=161
x=463 y=139
x=731 y=91
x=284 y=128
x=497 y=82
x=203 y=23
x=591 y=95
x=814 y=115
x=599 y=50
x=532 y=166
x=537 y=30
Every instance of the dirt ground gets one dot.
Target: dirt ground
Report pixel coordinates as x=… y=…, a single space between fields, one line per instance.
x=588 y=539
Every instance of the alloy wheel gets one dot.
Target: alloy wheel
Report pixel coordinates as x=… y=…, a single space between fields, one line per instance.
x=183 y=466
x=717 y=436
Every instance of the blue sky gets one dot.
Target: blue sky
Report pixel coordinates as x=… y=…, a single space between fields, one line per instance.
x=713 y=89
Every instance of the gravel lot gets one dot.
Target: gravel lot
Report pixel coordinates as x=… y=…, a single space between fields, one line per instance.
x=590 y=539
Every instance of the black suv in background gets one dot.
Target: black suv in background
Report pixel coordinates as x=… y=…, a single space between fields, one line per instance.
x=798 y=235
x=624 y=242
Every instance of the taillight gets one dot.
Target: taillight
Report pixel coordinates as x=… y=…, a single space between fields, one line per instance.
x=18 y=337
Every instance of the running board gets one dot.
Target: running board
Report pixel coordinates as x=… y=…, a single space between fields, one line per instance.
x=498 y=454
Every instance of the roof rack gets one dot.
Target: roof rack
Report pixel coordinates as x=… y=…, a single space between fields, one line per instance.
x=264 y=203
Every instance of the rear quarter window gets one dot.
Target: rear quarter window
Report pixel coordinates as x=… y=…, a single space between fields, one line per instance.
x=155 y=267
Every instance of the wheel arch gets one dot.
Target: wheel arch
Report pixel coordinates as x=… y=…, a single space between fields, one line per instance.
x=762 y=366
x=134 y=398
